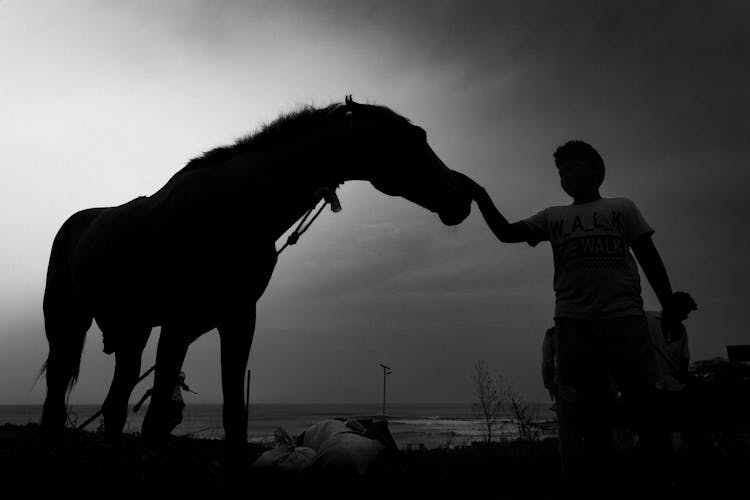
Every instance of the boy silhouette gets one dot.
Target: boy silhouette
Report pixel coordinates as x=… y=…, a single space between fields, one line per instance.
x=600 y=327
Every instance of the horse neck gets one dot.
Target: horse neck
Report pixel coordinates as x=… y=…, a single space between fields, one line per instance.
x=293 y=183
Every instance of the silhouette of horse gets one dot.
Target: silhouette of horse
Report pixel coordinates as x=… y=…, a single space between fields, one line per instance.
x=198 y=253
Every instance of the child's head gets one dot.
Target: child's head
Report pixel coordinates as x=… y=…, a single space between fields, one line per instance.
x=580 y=167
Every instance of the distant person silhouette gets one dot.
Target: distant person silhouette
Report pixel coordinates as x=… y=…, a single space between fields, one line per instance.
x=176 y=404
x=600 y=326
x=670 y=342
x=548 y=363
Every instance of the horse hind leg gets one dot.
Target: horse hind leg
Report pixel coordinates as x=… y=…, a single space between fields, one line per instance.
x=127 y=369
x=66 y=322
x=65 y=327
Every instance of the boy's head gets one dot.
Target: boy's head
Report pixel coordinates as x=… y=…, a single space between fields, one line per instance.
x=580 y=167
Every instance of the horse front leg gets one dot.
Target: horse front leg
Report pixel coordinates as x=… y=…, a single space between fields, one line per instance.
x=170 y=354
x=236 y=336
x=127 y=370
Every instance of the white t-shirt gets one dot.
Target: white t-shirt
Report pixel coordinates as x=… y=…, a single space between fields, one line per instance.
x=596 y=276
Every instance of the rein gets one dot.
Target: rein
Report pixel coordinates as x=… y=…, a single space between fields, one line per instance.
x=299 y=230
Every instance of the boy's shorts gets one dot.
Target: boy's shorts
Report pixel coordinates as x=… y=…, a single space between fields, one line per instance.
x=592 y=353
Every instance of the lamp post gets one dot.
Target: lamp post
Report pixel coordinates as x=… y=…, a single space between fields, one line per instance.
x=386 y=371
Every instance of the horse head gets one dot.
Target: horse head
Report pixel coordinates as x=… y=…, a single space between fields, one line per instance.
x=394 y=156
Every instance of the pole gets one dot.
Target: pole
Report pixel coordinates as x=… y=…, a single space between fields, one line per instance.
x=247 y=400
x=101 y=410
x=383 y=391
x=386 y=371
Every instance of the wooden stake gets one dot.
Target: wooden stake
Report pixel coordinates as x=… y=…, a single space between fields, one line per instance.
x=247 y=400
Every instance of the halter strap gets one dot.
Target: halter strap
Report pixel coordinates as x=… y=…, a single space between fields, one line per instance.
x=299 y=230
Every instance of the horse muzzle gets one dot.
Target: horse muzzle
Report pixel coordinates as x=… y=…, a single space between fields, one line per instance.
x=455 y=215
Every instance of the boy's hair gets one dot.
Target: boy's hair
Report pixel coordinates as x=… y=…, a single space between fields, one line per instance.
x=581 y=150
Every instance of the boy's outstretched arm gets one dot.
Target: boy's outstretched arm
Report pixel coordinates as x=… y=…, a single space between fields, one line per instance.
x=653 y=267
x=499 y=225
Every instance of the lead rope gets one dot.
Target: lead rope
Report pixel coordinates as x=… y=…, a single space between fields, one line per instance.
x=101 y=410
x=294 y=237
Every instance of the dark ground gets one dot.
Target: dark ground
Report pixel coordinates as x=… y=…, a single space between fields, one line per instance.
x=87 y=465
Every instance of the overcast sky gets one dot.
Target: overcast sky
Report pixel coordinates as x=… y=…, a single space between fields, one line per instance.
x=101 y=102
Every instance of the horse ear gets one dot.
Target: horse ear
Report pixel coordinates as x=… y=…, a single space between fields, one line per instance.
x=349 y=104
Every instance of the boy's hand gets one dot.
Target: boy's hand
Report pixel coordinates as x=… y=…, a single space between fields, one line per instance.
x=500 y=227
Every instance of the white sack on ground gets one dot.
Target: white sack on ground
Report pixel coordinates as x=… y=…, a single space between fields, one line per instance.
x=349 y=452
x=319 y=433
x=287 y=458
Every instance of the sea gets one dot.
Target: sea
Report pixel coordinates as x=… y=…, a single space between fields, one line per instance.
x=413 y=425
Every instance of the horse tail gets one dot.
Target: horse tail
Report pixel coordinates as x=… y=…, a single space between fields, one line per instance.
x=66 y=320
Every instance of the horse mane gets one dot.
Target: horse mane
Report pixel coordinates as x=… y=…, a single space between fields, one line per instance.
x=287 y=125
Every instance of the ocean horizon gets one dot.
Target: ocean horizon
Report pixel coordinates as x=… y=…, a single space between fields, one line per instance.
x=413 y=425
